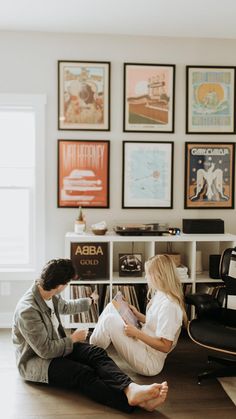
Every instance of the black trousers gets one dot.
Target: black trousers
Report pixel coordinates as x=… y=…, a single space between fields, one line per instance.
x=91 y=371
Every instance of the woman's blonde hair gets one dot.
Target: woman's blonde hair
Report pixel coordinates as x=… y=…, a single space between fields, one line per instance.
x=163 y=276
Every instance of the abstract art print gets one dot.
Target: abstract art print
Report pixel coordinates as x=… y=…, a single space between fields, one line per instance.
x=147 y=174
x=149 y=97
x=83 y=95
x=210 y=100
x=83 y=173
x=209 y=175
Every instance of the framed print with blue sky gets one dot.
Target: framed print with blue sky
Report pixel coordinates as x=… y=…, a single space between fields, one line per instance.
x=147 y=174
x=210 y=100
x=149 y=97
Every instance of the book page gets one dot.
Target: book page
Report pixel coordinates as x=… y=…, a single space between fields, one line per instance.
x=124 y=310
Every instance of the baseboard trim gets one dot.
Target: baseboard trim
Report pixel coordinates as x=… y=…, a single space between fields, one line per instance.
x=6 y=320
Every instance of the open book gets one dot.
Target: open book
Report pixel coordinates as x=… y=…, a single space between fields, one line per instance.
x=124 y=310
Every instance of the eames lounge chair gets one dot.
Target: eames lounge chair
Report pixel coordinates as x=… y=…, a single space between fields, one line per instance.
x=215 y=324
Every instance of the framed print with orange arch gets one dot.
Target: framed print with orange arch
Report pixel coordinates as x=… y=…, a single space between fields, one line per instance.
x=83 y=173
x=210 y=100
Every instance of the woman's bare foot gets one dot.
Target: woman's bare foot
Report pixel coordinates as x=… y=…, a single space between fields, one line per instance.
x=137 y=394
x=152 y=404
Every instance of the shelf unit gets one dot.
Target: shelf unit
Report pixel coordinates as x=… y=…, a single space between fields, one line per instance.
x=184 y=244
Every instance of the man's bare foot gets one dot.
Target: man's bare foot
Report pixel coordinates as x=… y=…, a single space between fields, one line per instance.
x=152 y=404
x=137 y=394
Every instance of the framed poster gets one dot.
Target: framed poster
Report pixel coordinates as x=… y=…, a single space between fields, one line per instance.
x=83 y=95
x=147 y=174
x=210 y=100
x=130 y=264
x=90 y=260
x=83 y=173
x=209 y=175
x=149 y=97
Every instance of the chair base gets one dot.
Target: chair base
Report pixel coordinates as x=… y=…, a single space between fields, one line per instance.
x=227 y=370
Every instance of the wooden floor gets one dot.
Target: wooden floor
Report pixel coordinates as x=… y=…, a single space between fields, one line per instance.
x=187 y=400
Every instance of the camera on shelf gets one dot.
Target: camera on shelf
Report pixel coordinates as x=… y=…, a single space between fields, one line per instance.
x=130 y=264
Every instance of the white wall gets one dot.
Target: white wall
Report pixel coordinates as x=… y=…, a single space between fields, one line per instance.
x=29 y=65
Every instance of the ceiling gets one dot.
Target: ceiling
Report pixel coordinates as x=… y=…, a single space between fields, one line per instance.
x=173 y=18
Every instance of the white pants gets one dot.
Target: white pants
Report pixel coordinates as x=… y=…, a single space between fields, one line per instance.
x=141 y=357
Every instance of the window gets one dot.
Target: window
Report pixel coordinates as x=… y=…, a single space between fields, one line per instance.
x=21 y=183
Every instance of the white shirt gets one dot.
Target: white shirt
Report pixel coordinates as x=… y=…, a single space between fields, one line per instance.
x=54 y=318
x=163 y=318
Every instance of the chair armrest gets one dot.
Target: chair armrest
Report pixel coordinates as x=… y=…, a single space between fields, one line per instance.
x=206 y=304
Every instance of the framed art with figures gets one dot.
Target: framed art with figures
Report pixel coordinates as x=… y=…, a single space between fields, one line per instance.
x=210 y=100
x=209 y=175
x=84 y=95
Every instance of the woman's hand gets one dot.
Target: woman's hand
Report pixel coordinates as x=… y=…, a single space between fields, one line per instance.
x=131 y=331
x=140 y=316
x=134 y=310
x=79 y=335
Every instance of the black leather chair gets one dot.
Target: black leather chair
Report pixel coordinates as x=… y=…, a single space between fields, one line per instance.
x=215 y=324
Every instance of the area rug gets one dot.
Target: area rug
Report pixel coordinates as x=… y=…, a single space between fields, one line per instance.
x=229 y=386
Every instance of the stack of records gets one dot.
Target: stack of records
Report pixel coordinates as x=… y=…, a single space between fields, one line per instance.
x=183 y=272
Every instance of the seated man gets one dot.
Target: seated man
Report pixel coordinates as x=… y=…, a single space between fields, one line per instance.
x=45 y=354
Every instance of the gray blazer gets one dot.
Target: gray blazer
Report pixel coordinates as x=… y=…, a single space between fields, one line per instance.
x=34 y=337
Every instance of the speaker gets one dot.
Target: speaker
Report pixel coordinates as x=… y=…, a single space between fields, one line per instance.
x=203 y=226
x=214 y=266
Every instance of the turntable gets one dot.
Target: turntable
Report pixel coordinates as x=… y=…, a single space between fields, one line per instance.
x=154 y=229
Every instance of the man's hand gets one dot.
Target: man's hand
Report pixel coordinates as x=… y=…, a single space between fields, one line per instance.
x=95 y=296
x=79 y=335
x=131 y=331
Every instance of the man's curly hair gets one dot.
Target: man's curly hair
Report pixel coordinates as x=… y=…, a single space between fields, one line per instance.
x=56 y=272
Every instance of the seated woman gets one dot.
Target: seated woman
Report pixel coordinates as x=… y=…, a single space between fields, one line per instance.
x=145 y=349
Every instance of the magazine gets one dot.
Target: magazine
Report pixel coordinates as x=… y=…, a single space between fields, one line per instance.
x=122 y=306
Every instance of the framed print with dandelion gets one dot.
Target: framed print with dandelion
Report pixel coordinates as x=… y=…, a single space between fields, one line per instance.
x=147 y=174
x=209 y=175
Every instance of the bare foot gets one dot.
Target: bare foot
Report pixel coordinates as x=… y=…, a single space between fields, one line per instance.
x=152 y=404
x=137 y=394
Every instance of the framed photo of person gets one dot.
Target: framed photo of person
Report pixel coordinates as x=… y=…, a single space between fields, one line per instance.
x=149 y=91
x=210 y=100
x=147 y=174
x=83 y=173
x=209 y=175
x=84 y=95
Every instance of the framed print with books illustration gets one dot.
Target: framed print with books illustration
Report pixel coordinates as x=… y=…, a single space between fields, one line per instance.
x=83 y=95
x=210 y=100
x=209 y=175
x=147 y=174
x=83 y=173
x=149 y=97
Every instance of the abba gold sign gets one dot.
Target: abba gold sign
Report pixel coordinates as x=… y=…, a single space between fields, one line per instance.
x=90 y=260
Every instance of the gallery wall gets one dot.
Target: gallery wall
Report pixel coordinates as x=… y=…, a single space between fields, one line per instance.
x=29 y=65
